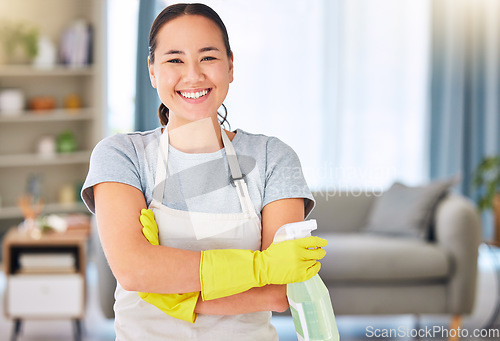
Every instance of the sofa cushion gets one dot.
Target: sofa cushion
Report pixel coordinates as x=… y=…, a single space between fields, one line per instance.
x=372 y=258
x=338 y=211
x=406 y=211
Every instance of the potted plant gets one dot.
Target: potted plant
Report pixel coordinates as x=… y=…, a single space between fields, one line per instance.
x=486 y=179
x=20 y=42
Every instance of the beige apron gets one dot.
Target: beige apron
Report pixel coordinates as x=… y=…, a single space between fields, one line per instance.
x=196 y=231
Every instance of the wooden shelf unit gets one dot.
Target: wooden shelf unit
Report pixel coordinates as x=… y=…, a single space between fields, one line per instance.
x=21 y=132
x=47 y=293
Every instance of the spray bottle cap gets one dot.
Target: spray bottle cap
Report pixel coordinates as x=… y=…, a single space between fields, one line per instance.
x=296 y=230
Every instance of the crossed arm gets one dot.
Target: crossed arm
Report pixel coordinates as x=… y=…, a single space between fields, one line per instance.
x=140 y=266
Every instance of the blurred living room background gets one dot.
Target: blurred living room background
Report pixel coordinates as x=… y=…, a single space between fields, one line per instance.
x=369 y=93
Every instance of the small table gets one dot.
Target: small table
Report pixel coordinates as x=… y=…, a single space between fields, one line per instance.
x=46 y=277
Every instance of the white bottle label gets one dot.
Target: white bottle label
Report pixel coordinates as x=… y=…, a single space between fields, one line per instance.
x=302 y=317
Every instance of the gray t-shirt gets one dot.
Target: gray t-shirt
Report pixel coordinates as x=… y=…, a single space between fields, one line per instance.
x=200 y=182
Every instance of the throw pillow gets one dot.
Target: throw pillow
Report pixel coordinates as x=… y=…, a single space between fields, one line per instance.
x=407 y=211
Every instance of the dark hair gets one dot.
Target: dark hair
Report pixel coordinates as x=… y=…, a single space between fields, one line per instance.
x=172 y=12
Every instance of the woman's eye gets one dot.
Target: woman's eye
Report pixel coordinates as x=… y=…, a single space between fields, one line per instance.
x=174 y=61
x=208 y=58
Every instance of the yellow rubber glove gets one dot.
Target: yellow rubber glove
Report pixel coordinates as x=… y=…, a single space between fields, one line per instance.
x=180 y=306
x=228 y=272
x=149 y=227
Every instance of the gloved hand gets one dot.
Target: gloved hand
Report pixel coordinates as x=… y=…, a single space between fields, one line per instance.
x=180 y=306
x=228 y=272
x=149 y=227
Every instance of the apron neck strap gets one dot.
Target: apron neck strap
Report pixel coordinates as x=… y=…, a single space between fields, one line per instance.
x=161 y=167
x=232 y=160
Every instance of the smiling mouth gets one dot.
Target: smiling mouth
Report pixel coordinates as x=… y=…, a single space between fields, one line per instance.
x=194 y=95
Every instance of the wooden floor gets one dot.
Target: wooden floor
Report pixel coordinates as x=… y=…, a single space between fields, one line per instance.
x=352 y=328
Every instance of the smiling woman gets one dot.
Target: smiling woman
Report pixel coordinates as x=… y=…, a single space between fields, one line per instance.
x=187 y=212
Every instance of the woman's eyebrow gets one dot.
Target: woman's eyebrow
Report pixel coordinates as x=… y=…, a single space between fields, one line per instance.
x=174 y=52
x=208 y=48
x=203 y=49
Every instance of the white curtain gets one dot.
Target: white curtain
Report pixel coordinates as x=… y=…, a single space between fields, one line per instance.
x=121 y=53
x=378 y=71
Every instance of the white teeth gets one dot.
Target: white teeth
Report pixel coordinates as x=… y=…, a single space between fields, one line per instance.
x=194 y=95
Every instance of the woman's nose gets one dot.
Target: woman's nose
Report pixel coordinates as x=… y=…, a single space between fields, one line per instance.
x=194 y=73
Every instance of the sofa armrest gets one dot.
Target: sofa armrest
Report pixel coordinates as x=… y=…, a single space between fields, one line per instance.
x=457 y=230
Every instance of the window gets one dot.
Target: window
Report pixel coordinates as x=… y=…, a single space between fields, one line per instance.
x=121 y=62
x=375 y=124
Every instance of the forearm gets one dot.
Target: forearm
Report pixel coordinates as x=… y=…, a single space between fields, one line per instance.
x=161 y=269
x=266 y=298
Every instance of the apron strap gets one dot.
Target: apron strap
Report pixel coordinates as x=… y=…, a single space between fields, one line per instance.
x=236 y=175
x=232 y=159
x=234 y=167
x=244 y=196
x=161 y=167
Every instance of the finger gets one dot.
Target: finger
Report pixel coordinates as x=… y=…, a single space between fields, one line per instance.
x=313 y=254
x=143 y=295
x=147 y=222
x=311 y=242
x=149 y=213
x=313 y=270
x=150 y=236
x=149 y=230
x=309 y=252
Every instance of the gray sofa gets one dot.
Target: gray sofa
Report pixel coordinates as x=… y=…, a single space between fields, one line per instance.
x=369 y=273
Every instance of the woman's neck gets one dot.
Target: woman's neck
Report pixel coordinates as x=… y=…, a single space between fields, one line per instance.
x=202 y=136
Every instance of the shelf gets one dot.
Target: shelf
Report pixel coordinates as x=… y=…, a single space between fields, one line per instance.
x=48 y=116
x=26 y=160
x=13 y=212
x=30 y=71
x=24 y=132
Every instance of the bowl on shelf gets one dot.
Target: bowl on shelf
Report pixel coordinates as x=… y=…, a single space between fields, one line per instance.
x=42 y=103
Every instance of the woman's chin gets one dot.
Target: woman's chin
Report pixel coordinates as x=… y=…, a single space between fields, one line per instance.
x=192 y=117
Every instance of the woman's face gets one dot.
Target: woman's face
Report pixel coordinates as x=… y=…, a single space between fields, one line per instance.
x=191 y=70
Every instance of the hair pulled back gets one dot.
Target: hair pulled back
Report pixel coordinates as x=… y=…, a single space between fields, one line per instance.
x=172 y=12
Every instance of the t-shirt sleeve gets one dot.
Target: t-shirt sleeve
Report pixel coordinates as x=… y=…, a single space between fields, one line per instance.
x=114 y=159
x=284 y=177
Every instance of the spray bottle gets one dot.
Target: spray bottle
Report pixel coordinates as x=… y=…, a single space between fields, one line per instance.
x=309 y=301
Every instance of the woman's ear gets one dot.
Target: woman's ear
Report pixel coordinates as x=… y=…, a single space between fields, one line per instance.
x=151 y=73
x=231 y=78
